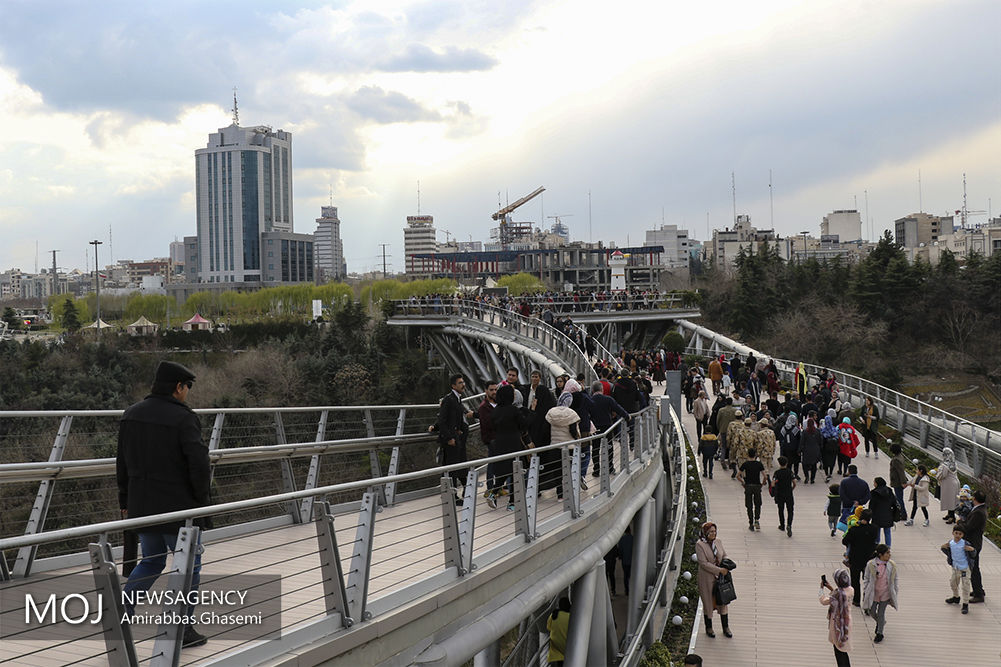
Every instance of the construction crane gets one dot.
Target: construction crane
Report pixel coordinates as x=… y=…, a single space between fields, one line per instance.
x=509 y=231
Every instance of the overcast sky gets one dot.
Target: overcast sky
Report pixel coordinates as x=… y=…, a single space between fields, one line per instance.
x=649 y=106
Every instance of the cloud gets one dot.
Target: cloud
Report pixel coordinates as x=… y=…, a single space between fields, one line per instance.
x=421 y=58
x=374 y=103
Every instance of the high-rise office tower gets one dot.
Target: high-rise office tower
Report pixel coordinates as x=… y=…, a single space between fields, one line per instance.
x=328 y=246
x=243 y=186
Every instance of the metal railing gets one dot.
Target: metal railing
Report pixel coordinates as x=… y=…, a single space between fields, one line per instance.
x=383 y=567
x=53 y=482
x=554 y=342
x=977 y=448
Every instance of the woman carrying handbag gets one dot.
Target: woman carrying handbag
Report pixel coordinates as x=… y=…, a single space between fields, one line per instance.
x=711 y=553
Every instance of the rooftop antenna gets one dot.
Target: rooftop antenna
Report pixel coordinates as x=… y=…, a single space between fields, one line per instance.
x=330 y=192
x=733 y=190
x=111 y=248
x=708 y=235
x=868 y=220
x=236 y=109
x=963 y=219
x=920 y=209
x=771 y=206
x=418 y=197
x=36 y=256
x=590 y=236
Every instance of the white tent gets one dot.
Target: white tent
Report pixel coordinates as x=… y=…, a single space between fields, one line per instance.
x=142 y=326
x=99 y=324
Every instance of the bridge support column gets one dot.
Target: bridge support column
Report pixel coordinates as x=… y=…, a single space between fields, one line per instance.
x=641 y=551
x=582 y=595
x=488 y=657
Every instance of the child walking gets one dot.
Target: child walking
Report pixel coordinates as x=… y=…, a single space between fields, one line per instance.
x=833 y=508
x=959 y=557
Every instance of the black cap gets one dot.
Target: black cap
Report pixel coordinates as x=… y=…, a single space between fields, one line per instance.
x=170 y=373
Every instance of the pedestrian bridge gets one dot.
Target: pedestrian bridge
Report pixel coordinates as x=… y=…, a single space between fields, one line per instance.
x=378 y=564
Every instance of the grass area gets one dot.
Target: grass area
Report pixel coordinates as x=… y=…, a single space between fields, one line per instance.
x=673 y=645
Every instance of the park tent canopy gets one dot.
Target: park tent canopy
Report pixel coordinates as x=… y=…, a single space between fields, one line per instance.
x=197 y=323
x=142 y=326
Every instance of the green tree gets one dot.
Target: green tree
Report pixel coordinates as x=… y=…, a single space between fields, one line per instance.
x=10 y=317
x=521 y=283
x=70 y=319
x=673 y=342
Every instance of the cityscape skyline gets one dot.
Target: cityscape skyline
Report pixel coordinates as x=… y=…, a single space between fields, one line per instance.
x=832 y=104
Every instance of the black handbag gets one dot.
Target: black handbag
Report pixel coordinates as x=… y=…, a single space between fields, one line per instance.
x=723 y=590
x=728 y=564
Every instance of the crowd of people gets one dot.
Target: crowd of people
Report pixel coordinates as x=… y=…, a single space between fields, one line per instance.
x=515 y=417
x=772 y=446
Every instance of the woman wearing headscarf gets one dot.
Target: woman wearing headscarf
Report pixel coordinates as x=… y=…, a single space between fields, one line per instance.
x=870 y=425
x=509 y=422
x=563 y=428
x=811 y=444
x=789 y=442
x=948 y=483
x=879 y=587
x=920 y=497
x=710 y=553
x=829 y=453
x=848 y=442
x=542 y=401
x=700 y=410
x=839 y=614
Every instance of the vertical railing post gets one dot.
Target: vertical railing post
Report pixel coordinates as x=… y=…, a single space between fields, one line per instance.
x=216 y=438
x=450 y=527
x=117 y=636
x=624 y=444
x=373 y=459
x=361 y=560
x=170 y=636
x=604 y=460
x=306 y=509
x=335 y=598
x=288 y=479
x=36 y=519
x=394 y=459
x=526 y=497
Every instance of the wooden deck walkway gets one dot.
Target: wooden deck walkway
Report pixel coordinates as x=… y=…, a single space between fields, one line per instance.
x=777 y=619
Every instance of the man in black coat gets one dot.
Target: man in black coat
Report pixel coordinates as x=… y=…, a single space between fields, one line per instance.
x=861 y=542
x=452 y=430
x=162 y=466
x=975 y=524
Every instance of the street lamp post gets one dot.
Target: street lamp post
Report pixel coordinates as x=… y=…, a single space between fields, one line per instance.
x=804 y=243
x=97 y=282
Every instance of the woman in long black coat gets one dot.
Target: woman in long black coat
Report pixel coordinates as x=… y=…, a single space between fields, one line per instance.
x=509 y=422
x=882 y=502
x=539 y=431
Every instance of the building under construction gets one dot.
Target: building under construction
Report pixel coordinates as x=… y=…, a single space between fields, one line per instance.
x=583 y=265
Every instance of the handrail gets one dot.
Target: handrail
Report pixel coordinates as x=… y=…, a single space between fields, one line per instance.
x=562 y=344
x=883 y=391
x=253 y=503
x=676 y=542
x=36 y=471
